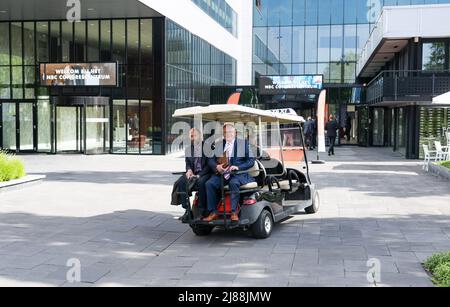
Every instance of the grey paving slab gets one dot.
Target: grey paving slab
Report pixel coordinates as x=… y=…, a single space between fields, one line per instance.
x=124 y=232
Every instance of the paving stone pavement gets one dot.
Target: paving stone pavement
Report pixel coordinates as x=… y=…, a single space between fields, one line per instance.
x=111 y=213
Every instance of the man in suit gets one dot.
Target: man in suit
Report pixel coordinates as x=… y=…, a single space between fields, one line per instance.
x=239 y=158
x=332 y=127
x=197 y=174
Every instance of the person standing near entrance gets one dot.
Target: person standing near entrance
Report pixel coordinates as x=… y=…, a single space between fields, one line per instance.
x=314 y=128
x=348 y=127
x=308 y=130
x=331 y=128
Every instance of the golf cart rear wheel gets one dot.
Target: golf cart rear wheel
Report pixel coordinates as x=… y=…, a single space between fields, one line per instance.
x=263 y=227
x=314 y=208
x=202 y=231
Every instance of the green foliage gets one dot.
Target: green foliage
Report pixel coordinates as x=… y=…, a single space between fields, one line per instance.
x=10 y=168
x=442 y=275
x=446 y=164
x=439 y=266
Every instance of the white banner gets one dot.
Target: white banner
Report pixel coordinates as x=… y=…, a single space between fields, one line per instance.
x=321 y=121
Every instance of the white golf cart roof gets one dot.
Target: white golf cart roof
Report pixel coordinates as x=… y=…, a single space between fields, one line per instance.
x=236 y=114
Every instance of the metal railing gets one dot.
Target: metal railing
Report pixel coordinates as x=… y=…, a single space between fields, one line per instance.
x=407 y=85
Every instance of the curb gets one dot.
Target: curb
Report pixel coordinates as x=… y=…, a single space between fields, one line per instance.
x=439 y=171
x=21 y=183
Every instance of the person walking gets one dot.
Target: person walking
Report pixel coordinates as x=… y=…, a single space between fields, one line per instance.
x=314 y=133
x=331 y=128
x=308 y=133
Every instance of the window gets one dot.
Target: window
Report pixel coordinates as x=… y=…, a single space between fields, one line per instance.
x=435 y=56
x=221 y=12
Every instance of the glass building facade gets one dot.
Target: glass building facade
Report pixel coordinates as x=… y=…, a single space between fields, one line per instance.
x=326 y=37
x=315 y=36
x=160 y=67
x=220 y=11
x=193 y=66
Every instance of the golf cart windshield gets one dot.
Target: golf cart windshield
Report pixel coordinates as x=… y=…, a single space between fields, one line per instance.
x=271 y=135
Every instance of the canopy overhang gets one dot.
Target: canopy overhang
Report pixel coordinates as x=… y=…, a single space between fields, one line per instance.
x=237 y=114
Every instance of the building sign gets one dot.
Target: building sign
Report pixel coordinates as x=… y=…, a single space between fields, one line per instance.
x=279 y=85
x=285 y=111
x=78 y=74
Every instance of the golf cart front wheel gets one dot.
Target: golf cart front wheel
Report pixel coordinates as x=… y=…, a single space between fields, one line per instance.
x=202 y=231
x=314 y=208
x=263 y=227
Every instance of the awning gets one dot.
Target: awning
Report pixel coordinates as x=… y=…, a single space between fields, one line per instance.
x=442 y=99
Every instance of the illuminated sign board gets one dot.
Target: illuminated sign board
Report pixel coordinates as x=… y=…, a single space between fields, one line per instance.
x=78 y=74
x=279 y=85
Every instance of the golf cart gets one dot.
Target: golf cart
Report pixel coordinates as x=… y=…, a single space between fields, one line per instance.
x=282 y=186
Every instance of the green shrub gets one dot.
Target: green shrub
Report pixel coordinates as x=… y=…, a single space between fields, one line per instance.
x=434 y=261
x=442 y=275
x=10 y=168
x=439 y=266
x=446 y=164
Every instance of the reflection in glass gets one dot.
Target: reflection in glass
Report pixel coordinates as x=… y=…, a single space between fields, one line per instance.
x=9 y=126
x=80 y=41
x=16 y=43
x=66 y=41
x=105 y=44
x=97 y=129
x=120 y=126
x=5 y=82
x=93 y=40
x=26 y=126
x=42 y=31
x=135 y=137
x=68 y=129
x=44 y=127
x=146 y=126
x=434 y=56
x=55 y=41
x=119 y=39
x=378 y=127
x=4 y=43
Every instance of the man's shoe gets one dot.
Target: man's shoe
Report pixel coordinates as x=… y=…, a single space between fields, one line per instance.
x=234 y=217
x=212 y=217
x=185 y=217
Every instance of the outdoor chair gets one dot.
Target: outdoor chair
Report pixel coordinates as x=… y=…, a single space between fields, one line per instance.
x=429 y=155
x=442 y=152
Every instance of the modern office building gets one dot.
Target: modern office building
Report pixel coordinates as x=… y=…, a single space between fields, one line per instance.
x=336 y=39
x=109 y=82
x=406 y=66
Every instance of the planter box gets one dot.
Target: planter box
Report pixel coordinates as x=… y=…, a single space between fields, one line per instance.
x=22 y=182
x=440 y=171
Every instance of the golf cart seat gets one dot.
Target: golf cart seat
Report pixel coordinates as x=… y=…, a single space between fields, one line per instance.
x=259 y=173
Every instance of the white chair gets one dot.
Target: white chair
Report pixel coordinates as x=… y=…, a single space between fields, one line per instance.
x=429 y=155
x=441 y=152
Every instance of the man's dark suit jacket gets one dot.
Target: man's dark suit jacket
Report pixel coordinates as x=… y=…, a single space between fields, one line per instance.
x=190 y=161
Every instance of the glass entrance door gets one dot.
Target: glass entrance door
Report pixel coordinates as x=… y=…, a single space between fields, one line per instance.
x=9 y=127
x=18 y=126
x=27 y=126
x=82 y=125
x=97 y=129
x=69 y=129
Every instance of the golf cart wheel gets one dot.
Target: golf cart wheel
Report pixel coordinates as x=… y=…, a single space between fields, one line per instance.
x=263 y=227
x=314 y=208
x=202 y=231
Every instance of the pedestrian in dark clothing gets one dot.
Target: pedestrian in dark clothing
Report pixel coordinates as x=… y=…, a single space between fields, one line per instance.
x=197 y=174
x=348 y=127
x=308 y=130
x=314 y=133
x=332 y=127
